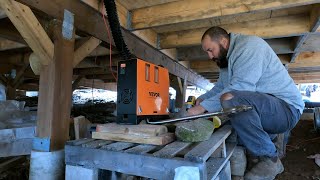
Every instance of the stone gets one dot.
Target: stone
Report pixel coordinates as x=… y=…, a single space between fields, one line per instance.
x=194 y=131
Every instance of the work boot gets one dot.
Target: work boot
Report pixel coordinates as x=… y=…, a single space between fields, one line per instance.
x=267 y=169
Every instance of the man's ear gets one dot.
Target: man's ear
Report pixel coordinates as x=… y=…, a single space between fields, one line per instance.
x=224 y=42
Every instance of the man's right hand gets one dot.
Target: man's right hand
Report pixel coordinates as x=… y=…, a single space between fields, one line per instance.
x=198 y=101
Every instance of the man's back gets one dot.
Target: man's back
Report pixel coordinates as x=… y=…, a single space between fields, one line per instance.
x=253 y=66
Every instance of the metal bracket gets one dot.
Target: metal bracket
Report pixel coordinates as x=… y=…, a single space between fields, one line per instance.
x=41 y=144
x=68 y=25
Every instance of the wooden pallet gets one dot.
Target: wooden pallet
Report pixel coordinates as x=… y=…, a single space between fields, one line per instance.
x=158 y=162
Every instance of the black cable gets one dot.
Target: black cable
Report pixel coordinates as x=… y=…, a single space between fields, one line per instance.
x=115 y=27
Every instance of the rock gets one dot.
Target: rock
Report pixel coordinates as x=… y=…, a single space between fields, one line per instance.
x=194 y=131
x=238 y=161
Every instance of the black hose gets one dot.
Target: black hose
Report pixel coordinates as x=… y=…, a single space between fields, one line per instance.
x=115 y=27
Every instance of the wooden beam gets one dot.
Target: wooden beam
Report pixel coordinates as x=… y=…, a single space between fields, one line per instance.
x=268 y=28
x=7 y=44
x=99 y=84
x=55 y=92
x=133 y=4
x=29 y=27
x=8 y=31
x=76 y=82
x=84 y=50
x=89 y=20
x=315 y=18
x=3 y=79
x=280 y=46
x=191 y=10
x=306 y=59
x=210 y=66
x=16 y=80
x=314 y=25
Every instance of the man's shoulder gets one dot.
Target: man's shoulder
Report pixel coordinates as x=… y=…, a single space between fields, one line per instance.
x=248 y=40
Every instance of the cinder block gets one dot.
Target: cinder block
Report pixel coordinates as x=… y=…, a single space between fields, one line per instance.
x=80 y=173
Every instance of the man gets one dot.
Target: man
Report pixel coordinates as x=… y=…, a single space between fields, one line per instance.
x=251 y=74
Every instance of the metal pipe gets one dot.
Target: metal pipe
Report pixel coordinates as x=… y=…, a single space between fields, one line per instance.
x=234 y=110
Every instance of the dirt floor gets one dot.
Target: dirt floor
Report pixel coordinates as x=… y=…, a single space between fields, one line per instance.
x=304 y=141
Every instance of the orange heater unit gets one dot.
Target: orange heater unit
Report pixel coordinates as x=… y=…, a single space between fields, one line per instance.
x=143 y=92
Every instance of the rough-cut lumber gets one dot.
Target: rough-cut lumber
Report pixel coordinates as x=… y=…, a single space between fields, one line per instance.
x=192 y=10
x=81 y=127
x=55 y=92
x=155 y=140
x=84 y=50
x=138 y=130
x=29 y=27
x=268 y=28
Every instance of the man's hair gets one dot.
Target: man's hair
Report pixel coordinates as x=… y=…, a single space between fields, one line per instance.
x=215 y=33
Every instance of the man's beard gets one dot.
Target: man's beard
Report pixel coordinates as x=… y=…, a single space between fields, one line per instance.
x=222 y=61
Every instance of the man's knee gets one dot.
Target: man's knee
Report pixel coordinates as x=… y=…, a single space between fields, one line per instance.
x=226 y=96
x=226 y=100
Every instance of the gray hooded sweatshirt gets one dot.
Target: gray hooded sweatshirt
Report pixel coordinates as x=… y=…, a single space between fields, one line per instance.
x=252 y=66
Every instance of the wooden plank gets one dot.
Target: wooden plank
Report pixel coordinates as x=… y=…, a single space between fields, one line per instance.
x=55 y=92
x=141 y=149
x=96 y=144
x=268 y=28
x=195 y=53
x=90 y=21
x=81 y=127
x=137 y=130
x=76 y=82
x=204 y=150
x=156 y=140
x=79 y=141
x=29 y=27
x=170 y=150
x=306 y=59
x=117 y=146
x=133 y=4
x=84 y=50
x=311 y=43
x=191 y=10
x=315 y=18
x=8 y=31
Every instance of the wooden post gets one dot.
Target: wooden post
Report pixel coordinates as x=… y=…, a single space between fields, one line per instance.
x=55 y=93
x=11 y=92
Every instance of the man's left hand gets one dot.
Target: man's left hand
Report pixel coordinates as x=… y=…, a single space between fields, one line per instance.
x=196 y=110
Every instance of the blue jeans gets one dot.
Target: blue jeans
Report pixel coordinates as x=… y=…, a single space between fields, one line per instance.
x=255 y=128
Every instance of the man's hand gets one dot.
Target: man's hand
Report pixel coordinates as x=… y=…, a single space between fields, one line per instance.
x=196 y=110
x=198 y=101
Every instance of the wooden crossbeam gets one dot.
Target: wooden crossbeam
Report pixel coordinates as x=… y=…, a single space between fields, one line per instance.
x=192 y=10
x=314 y=26
x=269 y=28
x=89 y=20
x=99 y=84
x=306 y=59
x=84 y=50
x=29 y=27
x=210 y=66
x=280 y=46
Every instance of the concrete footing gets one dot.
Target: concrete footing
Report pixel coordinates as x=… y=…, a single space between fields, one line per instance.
x=80 y=173
x=47 y=165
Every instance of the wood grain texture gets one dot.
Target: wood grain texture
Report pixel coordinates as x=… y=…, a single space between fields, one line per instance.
x=190 y=10
x=155 y=140
x=29 y=27
x=137 y=130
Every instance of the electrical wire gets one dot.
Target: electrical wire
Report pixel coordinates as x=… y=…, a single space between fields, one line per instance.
x=109 y=36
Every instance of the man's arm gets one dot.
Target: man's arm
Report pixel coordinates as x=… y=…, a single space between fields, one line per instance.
x=217 y=88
